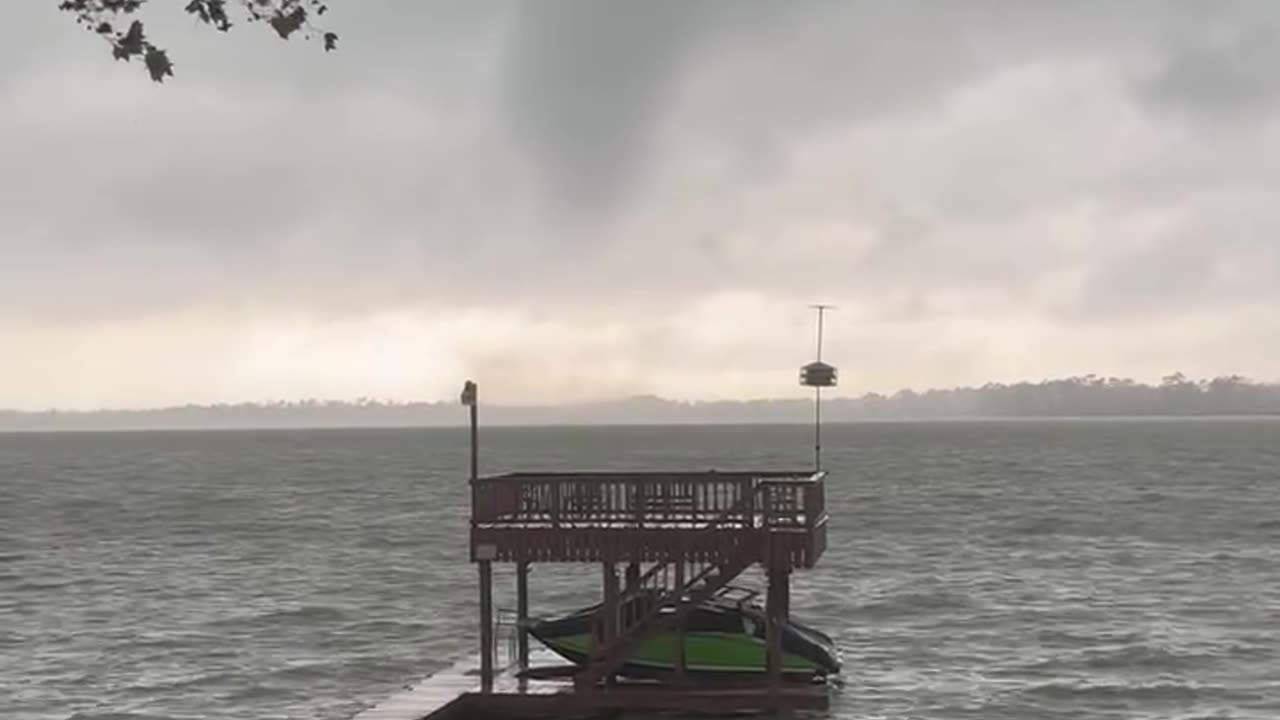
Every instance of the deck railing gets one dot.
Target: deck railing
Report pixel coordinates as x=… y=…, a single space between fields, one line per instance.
x=727 y=500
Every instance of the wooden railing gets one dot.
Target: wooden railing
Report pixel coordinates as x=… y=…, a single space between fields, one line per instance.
x=725 y=500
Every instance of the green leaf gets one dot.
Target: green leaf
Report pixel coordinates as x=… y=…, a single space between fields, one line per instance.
x=287 y=24
x=158 y=64
x=132 y=42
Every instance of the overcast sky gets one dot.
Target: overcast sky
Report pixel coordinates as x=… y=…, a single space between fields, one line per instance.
x=571 y=200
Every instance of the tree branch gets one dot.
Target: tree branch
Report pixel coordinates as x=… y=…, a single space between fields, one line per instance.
x=106 y=18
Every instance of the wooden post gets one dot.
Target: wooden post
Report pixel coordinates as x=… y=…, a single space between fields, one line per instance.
x=632 y=583
x=483 y=555
x=475 y=443
x=681 y=660
x=630 y=587
x=522 y=613
x=609 y=624
x=773 y=628
x=610 y=607
x=785 y=600
x=486 y=625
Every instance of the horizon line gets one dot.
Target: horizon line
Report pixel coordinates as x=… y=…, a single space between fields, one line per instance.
x=587 y=424
x=1094 y=380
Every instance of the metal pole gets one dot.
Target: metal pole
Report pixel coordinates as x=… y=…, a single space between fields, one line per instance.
x=817 y=398
x=821 y=310
x=817 y=429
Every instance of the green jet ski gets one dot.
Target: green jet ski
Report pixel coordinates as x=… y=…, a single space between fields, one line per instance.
x=724 y=637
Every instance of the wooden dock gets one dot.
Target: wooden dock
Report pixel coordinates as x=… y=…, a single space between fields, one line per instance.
x=456 y=693
x=442 y=694
x=682 y=537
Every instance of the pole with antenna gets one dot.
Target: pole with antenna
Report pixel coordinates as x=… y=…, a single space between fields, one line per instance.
x=818 y=375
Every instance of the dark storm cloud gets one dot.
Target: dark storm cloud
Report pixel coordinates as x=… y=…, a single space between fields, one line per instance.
x=588 y=88
x=991 y=188
x=1223 y=76
x=585 y=87
x=1220 y=252
x=623 y=159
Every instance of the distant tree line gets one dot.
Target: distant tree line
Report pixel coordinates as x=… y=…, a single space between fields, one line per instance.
x=1088 y=395
x=1084 y=396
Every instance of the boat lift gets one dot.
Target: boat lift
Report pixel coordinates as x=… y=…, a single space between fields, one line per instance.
x=690 y=534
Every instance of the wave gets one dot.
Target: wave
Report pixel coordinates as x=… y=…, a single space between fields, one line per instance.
x=47 y=585
x=301 y=615
x=1147 y=658
x=113 y=715
x=1038 y=526
x=385 y=627
x=1129 y=658
x=389 y=543
x=1148 y=496
x=207 y=680
x=1157 y=692
x=1085 y=638
x=307 y=671
x=915 y=604
x=260 y=692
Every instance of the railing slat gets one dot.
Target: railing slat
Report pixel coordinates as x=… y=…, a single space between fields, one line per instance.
x=651 y=499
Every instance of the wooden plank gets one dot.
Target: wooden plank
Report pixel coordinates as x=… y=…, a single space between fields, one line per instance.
x=796 y=547
x=440 y=693
x=643 y=699
x=456 y=691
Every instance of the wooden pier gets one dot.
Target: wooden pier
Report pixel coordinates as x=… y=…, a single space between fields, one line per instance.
x=682 y=536
x=446 y=693
x=455 y=693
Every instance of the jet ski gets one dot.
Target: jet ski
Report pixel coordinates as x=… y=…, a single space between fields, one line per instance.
x=723 y=637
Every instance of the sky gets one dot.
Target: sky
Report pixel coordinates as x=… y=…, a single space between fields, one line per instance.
x=568 y=201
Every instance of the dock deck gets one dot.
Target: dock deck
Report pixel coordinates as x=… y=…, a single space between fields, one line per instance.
x=443 y=693
x=456 y=692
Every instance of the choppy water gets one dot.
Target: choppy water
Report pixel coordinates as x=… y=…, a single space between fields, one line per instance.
x=985 y=570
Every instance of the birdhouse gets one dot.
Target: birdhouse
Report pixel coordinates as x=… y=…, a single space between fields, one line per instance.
x=818 y=374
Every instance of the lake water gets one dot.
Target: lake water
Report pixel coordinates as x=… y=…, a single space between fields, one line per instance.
x=976 y=570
